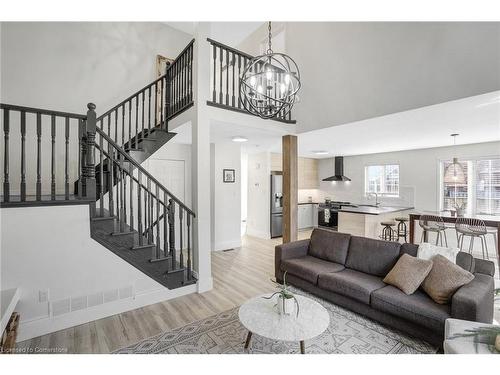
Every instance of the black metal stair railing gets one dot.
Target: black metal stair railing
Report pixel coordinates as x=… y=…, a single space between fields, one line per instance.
x=44 y=152
x=149 y=109
x=144 y=207
x=227 y=64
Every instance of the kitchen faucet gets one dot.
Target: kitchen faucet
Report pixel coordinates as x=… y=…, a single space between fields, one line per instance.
x=377 y=203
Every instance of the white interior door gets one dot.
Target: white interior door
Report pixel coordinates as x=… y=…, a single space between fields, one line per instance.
x=171 y=174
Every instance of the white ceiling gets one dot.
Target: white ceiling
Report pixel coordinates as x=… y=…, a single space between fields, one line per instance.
x=231 y=33
x=476 y=119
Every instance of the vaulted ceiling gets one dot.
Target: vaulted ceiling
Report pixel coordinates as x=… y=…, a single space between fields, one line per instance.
x=361 y=70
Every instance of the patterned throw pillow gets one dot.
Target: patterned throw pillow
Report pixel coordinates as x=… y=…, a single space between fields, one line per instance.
x=428 y=251
x=408 y=273
x=444 y=279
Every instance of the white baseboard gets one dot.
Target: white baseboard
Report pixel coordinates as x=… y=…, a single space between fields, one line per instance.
x=257 y=233
x=227 y=245
x=45 y=325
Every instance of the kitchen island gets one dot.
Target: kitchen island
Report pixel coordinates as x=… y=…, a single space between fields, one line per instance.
x=364 y=220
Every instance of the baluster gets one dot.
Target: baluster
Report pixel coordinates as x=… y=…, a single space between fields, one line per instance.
x=111 y=184
x=123 y=125
x=233 y=98
x=158 y=250
x=183 y=86
x=53 y=160
x=165 y=225
x=142 y=110
x=131 y=192
x=171 y=232
x=190 y=74
x=81 y=156
x=220 y=75
x=174 y=85
x=167 y=93
x=188 y=223
x=214 y=92
x=116 y=126
x=6 y=131
x=124 y=177
x=109 y=125
x=150 y=214
x=101 y=179
x=239 y=83
x=139 y=205
x=161 y=104
x=122 y=197
x=156 y=104
x=181 y=247
x=149 y=110
x=227 y=77
x=66 y=158
x=130 y=124
x=118 y=190
x=136 y=143
x=39 y=157
x=23 y=156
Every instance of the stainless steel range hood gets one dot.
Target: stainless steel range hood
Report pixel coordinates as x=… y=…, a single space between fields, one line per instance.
x=339 y=171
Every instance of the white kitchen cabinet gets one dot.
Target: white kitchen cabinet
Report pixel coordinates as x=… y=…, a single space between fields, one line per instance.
x=305 y=216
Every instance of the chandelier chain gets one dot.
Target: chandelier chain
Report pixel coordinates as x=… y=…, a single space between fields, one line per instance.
x=269 y=49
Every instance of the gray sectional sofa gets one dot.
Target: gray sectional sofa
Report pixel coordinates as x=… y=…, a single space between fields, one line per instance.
x=348 y=271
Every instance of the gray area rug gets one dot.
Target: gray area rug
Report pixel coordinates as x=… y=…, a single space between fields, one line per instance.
x=223 y=334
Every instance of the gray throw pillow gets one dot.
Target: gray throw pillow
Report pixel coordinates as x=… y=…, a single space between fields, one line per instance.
x=444 y=279
x=408 y=273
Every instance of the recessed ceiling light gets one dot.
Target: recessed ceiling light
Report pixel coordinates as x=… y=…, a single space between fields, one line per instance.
x=321 y=152
x=239 y=138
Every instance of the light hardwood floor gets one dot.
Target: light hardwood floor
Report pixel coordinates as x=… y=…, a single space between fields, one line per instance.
x=238 y=275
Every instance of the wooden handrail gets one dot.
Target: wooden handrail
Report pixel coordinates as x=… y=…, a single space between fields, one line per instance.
x=144 y=171
x=13 y=107
x=231 y=49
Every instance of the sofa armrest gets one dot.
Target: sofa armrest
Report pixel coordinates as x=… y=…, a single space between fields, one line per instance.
x=296 y=249
x=474 y=301
x=486 y=267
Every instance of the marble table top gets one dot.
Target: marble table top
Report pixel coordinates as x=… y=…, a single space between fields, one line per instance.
x=260 y=316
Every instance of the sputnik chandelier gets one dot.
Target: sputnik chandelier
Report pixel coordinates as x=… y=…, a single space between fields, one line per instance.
x=269 y=84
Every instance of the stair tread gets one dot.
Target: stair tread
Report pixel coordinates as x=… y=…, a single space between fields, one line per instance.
x=139 y=258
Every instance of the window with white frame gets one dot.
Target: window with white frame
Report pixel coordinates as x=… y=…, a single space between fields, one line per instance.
x=382 y=179
x=480 y=194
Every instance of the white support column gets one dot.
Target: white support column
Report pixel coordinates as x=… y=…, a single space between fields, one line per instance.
x=201 y=158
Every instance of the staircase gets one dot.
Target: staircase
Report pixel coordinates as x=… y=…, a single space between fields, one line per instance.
x=132 y=213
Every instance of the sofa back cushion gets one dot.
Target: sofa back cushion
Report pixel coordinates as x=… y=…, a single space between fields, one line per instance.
x=328 y=245
x=374 y=257
x=410 y=249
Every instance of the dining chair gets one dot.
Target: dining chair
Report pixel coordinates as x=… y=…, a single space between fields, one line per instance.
x=433 y=223
x=473 y=228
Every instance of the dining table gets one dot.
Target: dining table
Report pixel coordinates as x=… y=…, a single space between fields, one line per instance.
x=489 y=221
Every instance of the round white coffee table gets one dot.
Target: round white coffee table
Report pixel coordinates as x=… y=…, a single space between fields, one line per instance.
x=260 y=316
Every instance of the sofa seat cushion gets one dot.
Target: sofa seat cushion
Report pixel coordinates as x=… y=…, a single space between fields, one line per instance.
x=417 y=307
x=309 y=268
x=328 y=245
x=351 y=283
x=371 y=256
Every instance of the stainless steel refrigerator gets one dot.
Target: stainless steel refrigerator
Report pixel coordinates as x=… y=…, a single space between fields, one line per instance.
x=276 y=204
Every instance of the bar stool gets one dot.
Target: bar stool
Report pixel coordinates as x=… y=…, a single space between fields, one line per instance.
x=469 y=227
x=432 y=223
x=402 y=229
x=388 y=233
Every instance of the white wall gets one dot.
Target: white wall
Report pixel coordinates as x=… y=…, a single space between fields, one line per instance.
x=65 y=65
x=418 y=171
x=227 y=197
x=60 y=257
x=259 y=187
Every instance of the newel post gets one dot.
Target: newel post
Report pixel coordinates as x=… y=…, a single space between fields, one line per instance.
x=88 y=154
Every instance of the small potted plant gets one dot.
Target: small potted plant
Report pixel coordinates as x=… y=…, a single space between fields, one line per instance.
x=460 y=209
x=287 y=304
